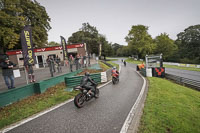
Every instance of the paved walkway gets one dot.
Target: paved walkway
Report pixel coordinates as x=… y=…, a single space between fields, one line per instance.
x=40 y=74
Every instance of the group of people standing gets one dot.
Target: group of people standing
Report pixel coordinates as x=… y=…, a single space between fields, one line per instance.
x=79 y=61
x=53 y=63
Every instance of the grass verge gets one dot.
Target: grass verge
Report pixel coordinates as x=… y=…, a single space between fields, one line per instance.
x=167 y=66
x=129 y=60
x=170 y=108
x=183 y=68
x=34 y=104
x=103 y=66
x=113 y=64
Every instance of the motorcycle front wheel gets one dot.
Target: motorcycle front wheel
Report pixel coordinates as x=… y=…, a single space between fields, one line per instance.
x=96 y=93
x=79 y=100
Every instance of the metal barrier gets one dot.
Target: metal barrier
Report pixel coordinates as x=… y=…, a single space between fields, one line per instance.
x=184 y=81
x=19 y=93
x=76 y=80
x=106 y=63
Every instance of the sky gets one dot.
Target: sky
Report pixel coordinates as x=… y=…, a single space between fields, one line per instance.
x=114 y=18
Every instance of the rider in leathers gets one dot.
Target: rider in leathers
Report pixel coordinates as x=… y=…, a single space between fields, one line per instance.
x=115 y=72
x=88 y=84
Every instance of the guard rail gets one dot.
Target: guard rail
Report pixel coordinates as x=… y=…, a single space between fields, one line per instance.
x=184 y=81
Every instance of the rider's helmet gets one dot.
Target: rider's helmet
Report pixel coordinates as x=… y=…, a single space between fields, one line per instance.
x=87 y=74
x=114 y=67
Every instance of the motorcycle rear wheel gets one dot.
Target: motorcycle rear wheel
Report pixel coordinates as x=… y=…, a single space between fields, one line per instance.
x=114 y=80
x=79 y=100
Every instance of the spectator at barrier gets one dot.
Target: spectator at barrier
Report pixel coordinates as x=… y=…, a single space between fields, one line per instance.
x=71 y=62
x=51 y=65
x=77 y=62
x=84 y=61
x=140 y=66
x=30 y=71
x=7 y=72
x=88 y=60
x=58 y=64
x=80 y=61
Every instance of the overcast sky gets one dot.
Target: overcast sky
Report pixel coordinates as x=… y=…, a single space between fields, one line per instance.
x=114 y=18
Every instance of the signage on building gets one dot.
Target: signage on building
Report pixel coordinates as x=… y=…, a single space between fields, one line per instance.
x=47 y=49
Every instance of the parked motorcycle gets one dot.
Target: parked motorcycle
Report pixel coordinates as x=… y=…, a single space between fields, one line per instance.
x=83 y=96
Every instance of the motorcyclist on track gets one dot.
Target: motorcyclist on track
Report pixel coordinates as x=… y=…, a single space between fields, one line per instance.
x=115 y=73
x=88 y=84
x=124 y=63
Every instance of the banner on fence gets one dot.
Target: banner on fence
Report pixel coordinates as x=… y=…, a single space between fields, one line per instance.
x=63 y=43
x=27 y=45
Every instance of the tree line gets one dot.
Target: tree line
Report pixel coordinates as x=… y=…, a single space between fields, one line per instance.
x=15 y=14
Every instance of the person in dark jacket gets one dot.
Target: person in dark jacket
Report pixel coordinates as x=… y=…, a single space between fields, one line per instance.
x=58 y=64
x=51 y=64
x=7 y=72
x=88 y=83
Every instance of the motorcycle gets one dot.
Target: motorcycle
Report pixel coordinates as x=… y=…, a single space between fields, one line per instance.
x=83 y=96
x=115 y=78
x=124 y=63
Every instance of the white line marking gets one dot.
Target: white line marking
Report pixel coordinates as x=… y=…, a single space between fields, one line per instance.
x=33 y=117
x=128 y=120
x=119 y=68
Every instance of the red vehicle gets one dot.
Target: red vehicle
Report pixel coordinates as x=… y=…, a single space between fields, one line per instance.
x=115 y=76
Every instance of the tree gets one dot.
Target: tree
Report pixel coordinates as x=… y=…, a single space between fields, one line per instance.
x=189 y=44
x=14 y=15
x=164 y=45
x=52 y=43
x=115 y=47
x=106 y=47
x=123 y=51
x=89 y=34
x=139 y=41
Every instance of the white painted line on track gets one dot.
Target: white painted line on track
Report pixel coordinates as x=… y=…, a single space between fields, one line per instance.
x=44 y=112
x=34 y=117
x=128 y=120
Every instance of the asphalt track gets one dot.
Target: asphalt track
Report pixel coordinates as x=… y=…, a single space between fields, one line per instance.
x=106 y=114
x=194 y=75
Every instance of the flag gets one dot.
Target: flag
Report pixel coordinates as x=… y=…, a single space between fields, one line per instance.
x=100 y=47
x=85 y=45
x=64 y=46
x=27 y=45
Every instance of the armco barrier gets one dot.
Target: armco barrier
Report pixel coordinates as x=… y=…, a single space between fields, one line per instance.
x=184 y=81
x=14 y=95
x=43 y=85
x=76 y=80
x=19 y=93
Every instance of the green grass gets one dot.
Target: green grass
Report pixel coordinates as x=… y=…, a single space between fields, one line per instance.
x=34 y=104
x=103 y=66
x=170 y=108
x=129 y=60
x=113 y=64
x=183 y=68
x=167 y=66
